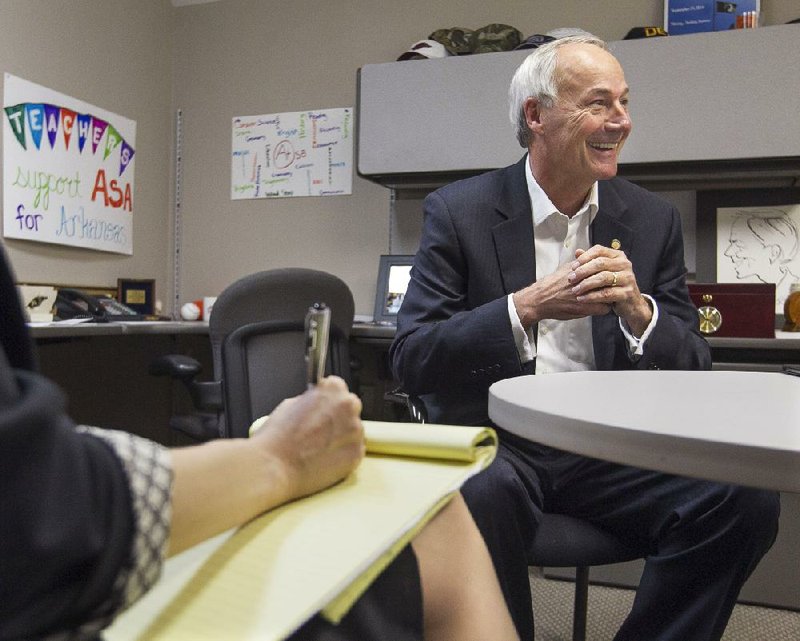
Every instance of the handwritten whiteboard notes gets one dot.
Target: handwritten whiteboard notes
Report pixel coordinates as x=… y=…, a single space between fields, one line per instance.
x=300 y=153
x=68 y=170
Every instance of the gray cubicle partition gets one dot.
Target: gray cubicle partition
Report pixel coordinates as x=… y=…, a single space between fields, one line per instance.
x=728 y=98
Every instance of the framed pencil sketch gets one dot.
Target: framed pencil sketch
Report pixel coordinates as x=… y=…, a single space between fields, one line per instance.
x=750 y=236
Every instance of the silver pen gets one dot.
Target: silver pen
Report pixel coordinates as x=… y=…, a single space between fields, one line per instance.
x=317 y=326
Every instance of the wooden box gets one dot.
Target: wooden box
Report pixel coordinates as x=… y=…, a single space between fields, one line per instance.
x=745 y=310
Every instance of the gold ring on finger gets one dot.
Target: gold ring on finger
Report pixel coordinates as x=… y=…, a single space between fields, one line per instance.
x=614 y=282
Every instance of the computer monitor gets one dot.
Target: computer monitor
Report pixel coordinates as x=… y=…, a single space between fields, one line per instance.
x=393 y=275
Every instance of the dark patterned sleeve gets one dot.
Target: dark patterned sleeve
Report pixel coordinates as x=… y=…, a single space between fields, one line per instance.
x=149 y=471
x=86 y=516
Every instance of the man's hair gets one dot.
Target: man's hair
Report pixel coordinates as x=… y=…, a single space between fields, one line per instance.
x=776 y=231
x=536 y=78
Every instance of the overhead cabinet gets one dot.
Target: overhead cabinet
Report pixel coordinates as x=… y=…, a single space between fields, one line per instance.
x=713 y=104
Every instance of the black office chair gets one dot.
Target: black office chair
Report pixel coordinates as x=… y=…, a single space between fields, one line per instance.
x=258 y=348
x=560 y=542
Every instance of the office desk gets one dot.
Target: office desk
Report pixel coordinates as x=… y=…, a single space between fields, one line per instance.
x=103 y=368
x=736 y=427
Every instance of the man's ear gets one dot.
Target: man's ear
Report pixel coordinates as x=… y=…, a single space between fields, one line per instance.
x=532 y=111
x=775 y=254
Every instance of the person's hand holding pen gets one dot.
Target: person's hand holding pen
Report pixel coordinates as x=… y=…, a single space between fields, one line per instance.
x=313 y=440
x=317 y=438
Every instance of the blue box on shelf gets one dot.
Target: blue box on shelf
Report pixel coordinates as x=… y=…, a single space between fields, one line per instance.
x=694 y=16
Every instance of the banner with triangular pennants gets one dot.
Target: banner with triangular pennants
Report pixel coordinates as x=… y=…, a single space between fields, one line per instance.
x=31 y=122
x=68 y=170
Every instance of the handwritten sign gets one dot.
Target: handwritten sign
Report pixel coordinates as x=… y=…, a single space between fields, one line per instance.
x=68 y=170
x=301 y=153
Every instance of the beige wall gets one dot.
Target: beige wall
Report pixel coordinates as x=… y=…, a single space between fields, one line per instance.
x=144 y=59
x=115 y=54
x=241 y=57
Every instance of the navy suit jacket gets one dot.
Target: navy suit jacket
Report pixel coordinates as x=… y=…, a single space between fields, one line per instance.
x=454 y=336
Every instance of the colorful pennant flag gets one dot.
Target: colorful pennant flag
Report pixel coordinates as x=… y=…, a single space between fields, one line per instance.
x=46 y=118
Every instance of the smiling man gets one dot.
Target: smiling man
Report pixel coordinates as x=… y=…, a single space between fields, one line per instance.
x=556 y=265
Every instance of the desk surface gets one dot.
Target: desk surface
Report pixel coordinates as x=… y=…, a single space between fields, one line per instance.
x=738 y=427
x=66 y=329
x=361 y=330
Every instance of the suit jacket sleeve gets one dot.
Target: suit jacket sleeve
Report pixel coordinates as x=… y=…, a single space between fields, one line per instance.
x=650 y=230
x=454 y=336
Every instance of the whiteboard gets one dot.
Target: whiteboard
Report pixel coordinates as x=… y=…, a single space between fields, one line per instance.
x=300 y=153
x=68 y=170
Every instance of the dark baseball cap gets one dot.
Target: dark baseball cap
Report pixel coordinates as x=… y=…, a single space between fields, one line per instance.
x=534 y=41
x=645 y=32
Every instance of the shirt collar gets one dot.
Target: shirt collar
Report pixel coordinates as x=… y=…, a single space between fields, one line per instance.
x=543 y=207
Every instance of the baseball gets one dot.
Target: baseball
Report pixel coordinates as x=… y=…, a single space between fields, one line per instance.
x=190 y=312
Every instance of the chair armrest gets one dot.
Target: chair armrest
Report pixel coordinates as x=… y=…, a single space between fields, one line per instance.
x=177 y=366
x=416 y=408
x=205 y=395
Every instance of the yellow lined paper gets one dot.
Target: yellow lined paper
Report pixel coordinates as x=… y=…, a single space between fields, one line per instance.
x=319 y=553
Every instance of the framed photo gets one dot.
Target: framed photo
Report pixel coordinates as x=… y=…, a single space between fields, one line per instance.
x=393 y=275
x=750 y=236
x=139 y=295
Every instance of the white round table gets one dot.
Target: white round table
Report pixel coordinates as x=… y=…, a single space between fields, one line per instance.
x=738 y=427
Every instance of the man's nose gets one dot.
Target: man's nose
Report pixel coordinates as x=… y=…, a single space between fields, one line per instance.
x=618 y=119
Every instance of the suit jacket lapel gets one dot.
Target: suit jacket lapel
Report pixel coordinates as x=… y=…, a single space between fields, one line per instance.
x=513 y=234
x=608 y=227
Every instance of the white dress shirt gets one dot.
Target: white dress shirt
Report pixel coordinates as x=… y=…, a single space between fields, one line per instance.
x=563 y=346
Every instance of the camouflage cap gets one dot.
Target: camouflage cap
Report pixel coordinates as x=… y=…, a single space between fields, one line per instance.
x=496 y=37
x=457 y=40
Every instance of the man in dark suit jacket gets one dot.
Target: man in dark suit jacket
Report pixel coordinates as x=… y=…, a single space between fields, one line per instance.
x=550 y=265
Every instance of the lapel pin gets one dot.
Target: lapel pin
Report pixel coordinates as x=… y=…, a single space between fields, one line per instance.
x=615 y=244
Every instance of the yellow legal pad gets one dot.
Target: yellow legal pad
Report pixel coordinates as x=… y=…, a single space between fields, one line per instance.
x=319 y=553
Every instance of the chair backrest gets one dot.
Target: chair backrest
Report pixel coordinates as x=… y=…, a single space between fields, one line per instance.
x=258 y=339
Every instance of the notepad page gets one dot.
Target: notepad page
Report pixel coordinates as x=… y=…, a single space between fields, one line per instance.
x=430 y=440
x=285 y=566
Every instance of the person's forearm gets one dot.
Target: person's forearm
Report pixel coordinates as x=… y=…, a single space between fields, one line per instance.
x=217 y=486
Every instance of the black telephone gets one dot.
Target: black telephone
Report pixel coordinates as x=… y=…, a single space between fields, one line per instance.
x=73 y=303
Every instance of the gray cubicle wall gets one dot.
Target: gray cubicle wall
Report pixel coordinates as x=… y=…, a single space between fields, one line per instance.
x=713 y=97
